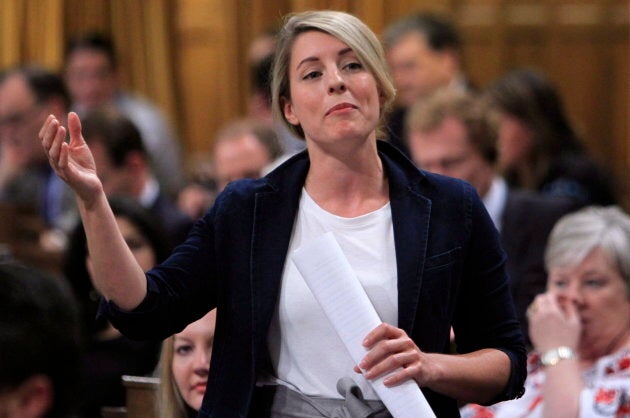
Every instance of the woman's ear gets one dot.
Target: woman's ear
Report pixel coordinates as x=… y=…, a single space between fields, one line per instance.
x=287 y=109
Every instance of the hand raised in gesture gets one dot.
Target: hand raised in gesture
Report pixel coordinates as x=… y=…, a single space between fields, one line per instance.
x=73 y=160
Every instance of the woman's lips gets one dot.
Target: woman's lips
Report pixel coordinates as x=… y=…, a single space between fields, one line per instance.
x=340 y=106
x=200 y=387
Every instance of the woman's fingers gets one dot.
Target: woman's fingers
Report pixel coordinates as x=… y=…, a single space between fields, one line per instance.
x=45 y=126
x=389 y=349
x=55 y=148
x=412 y=371
x=63 y=157
x=49 y=131
x=74 y=127
x=391 y=362
x=383 y=331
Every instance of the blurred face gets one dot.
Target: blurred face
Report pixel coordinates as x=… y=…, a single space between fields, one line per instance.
x=32 y=398
x=417 y=69
x=137 y=242
x=21 y=117
x=446 y=150
x=116 y=180
x=333 y=97
x=599 y=293
x=238 y=158
x=191 y=359
x=90 y=78
x=515 y=142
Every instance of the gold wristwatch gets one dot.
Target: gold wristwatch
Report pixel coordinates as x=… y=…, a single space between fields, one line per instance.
x=553 y=356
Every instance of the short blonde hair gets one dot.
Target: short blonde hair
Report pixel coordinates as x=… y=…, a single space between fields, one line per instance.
x=577 y=234
x=348 y=29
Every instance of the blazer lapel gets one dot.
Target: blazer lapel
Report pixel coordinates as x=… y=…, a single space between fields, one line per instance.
x=274 y=215
x=410 y=215
x=275 y=212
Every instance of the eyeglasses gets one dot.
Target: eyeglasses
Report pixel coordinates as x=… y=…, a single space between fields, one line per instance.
x=445 y=164
x=19 y=118
x=82 y=74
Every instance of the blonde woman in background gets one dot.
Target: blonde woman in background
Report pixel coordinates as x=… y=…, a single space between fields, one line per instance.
x=183 y=368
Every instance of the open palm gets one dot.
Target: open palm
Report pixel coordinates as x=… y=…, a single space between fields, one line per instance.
x=72 y=161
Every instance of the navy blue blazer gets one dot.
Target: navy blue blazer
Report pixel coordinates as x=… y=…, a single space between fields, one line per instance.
x=450 y=272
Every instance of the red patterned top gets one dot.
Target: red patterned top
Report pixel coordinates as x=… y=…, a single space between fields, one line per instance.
x=606 y=392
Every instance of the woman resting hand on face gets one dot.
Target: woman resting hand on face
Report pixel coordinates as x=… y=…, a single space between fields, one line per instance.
x=422 y=246
x=580 y=327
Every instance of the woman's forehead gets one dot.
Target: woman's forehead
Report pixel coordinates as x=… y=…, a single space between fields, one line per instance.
x=316 y=41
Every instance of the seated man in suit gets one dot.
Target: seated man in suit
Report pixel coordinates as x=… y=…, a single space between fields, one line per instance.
x=28 y=95
x=92 y=75
x=243 y=148
x=424 y=55
x=124 y=168
x=448 y=134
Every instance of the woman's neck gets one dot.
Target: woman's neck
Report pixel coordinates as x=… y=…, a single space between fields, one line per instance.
x=592 y=352
x=349 y=182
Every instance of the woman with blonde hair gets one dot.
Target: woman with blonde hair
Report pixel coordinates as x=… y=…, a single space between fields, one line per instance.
x=422 y=246
x=183 y=369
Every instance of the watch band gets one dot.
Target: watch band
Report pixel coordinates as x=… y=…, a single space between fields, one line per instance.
x=553 y=356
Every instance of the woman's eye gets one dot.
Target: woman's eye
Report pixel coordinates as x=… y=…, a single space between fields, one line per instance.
x=559 y=283
x=183 y=350
x=594 y=282
x=354 y=66
x=311 y=75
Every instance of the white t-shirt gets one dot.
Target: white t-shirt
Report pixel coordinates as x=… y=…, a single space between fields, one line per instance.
x=306 y=352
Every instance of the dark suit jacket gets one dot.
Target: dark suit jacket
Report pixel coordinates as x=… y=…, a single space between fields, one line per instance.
x=450 y=272
x=527 y=220
x=176 y=223
x=396 y=130
x=30 y=191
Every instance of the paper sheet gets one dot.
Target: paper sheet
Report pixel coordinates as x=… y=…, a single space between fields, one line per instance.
x=334 y=284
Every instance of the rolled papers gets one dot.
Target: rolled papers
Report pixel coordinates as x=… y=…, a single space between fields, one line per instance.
x=334 y=284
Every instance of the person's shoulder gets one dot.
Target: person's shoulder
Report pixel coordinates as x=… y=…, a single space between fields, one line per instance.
x=536 y=202
x=165 y=206
x=136 y=105
x=243 y=189
x=399 y=164
x=447 y=191
x=287 y=178
x=446 y=184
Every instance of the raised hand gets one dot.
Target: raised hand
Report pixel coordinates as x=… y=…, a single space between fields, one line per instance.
x=553 y=323
x=72 y=161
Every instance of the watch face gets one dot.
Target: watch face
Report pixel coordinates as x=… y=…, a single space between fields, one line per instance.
x=552 y=357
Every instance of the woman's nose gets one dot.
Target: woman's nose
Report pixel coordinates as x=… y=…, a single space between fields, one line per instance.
x=572 y=294
x=202 y=361
x=337 y=85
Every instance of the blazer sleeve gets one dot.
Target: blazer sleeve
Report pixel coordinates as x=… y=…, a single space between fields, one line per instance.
x=180 y=290
x=484 y=315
